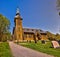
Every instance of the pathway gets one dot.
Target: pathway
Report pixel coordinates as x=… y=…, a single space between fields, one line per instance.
x=20 y=51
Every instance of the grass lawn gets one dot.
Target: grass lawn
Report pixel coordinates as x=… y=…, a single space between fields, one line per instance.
x=5 y=50
x=45 y=48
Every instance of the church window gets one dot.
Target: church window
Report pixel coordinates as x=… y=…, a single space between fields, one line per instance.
x=25 y=35
x=30 y=36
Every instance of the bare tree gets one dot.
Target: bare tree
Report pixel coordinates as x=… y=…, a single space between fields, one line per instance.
x=58 y=6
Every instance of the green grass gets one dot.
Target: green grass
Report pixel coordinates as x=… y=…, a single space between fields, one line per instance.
x=45 y=48
x=5 y=50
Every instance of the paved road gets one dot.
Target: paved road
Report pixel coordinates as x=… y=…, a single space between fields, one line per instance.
x=19 y=51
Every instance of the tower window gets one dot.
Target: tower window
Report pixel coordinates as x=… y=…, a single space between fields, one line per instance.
x=18 y=22
x=19 y=35
x=18 y=28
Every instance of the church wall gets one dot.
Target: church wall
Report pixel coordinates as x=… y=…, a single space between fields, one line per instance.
x=28 y=37
x=43 y=37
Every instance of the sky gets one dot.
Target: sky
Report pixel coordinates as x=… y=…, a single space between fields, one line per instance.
x=41 y=14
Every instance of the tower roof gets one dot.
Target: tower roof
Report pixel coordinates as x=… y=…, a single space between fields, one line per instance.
x=18 y=14
x=17 y=11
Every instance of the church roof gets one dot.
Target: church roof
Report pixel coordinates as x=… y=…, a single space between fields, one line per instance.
x=30 y=30
x=17 y=16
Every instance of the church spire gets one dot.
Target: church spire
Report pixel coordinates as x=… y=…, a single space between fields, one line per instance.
x=17 y=11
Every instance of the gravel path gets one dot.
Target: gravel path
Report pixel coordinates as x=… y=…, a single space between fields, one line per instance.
x=19 y=51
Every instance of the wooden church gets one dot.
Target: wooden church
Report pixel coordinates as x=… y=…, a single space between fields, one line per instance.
x=26 y=34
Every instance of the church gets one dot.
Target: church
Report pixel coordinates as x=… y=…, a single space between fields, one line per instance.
x=26 y=34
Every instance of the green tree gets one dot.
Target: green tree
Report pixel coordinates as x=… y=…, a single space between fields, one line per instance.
x=4 y=25
x=9 y=36
x=57 y=36
x=50 y=35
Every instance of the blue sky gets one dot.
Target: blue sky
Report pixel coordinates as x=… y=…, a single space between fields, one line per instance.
x=40 y=14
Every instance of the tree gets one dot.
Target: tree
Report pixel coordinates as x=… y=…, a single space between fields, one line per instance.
x=58 y=6
x=50 y=35
x=57 y=36
x=58 y=3
x=9 y=37
x=4 y=25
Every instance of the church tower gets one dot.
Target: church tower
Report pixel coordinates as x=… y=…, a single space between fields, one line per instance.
x=18 y=26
